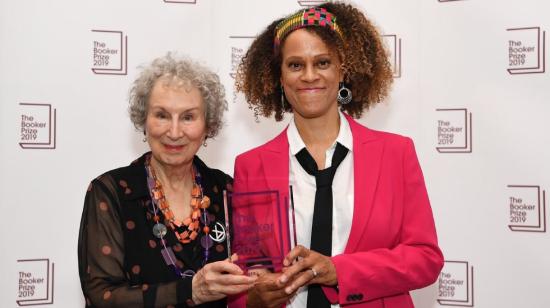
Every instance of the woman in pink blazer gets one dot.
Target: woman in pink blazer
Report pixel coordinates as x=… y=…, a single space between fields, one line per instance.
x=366 y=236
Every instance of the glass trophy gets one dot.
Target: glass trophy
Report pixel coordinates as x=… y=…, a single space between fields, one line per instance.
x=261 y=228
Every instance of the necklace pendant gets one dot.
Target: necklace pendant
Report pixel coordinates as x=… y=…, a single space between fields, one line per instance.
x=159 y=230
x=217 y=233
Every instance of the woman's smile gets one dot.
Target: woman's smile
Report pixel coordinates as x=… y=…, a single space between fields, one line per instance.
x=311 y=89
x=173 y=148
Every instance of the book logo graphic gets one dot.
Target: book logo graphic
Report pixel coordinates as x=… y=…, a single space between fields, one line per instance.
x=35 y=280
x=456 y=284
x=110 y=52
x=526 y=51
x=393 y=44
x=527 y=205
x=239 y=46
x=38 y=126
x=309 y=3
x=181 y=1
x=454 y=131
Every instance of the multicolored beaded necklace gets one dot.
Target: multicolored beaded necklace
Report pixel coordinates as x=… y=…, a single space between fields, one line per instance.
x=185 y=231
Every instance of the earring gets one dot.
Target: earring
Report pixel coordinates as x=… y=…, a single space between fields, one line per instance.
x=283 y=98
x=344 y=95
x=204 y=142
x=144 y=136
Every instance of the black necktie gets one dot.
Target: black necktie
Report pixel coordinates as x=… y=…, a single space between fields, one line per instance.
x=321 y=230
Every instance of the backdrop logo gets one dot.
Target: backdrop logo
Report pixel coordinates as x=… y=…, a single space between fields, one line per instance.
x=394 y=46
x=35 y=282
x=308 y=3
x=110 y=52
x=181 y=1
x=239 y=46
x=526 y=50
x=454 y=131
x=456 y=284
x=38 y=126
x=527 y=205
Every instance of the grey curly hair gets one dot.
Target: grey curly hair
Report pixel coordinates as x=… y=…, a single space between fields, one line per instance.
x=184 y=69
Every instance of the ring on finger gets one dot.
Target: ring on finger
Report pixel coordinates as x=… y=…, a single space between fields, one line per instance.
x=314 y=272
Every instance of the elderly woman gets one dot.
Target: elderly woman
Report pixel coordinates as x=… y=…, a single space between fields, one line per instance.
x=151 y=233
x=365 y=230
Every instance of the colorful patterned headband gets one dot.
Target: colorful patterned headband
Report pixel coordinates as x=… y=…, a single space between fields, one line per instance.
x=310 y=17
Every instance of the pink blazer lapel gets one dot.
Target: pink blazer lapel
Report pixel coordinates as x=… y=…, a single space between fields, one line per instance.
x=367 y=156
x=275 y=162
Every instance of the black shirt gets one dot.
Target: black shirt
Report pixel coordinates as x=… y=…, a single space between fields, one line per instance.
x=120 y=260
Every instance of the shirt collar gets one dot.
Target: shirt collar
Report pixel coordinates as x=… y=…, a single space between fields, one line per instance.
x=344 y=137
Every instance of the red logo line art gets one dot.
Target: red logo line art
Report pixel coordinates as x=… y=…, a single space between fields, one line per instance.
x=181 y=1
x=456 y=284
x=457 y=126
x=109 y=46
x=310 y=3
x=526 y=51
x=527 y=208
x=33 y=129
x=394 y=45
x=36 y=282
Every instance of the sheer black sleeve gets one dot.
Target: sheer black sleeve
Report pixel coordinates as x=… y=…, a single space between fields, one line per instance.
x=103 y=278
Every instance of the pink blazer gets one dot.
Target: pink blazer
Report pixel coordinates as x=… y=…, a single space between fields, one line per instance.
x=392 y=248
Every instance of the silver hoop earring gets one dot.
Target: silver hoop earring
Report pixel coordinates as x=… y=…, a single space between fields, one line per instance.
x=344 y=95
x=283 y=98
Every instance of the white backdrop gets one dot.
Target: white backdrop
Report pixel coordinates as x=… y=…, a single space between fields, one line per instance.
x=471 y=89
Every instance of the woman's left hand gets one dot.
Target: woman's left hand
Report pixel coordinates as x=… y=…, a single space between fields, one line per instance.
x=218 y=279
x=305 y=267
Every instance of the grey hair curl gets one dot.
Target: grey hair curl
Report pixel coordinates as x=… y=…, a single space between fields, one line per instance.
x=181 y=69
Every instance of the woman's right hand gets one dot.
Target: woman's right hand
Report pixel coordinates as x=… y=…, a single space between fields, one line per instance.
x=267 y=291
x=218 y=279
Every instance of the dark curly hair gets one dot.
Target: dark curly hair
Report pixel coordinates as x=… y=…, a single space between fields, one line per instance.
x=367 y=71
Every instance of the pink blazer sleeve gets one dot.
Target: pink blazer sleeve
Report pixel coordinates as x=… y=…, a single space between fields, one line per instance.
x=395 y=246
x=398 y=250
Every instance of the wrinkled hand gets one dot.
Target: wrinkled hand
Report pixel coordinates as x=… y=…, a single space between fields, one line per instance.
x=218 y=279
x=267 y=291
x=305 y=267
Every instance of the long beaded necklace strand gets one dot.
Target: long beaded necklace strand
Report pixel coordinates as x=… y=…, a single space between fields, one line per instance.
x=186 y=230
